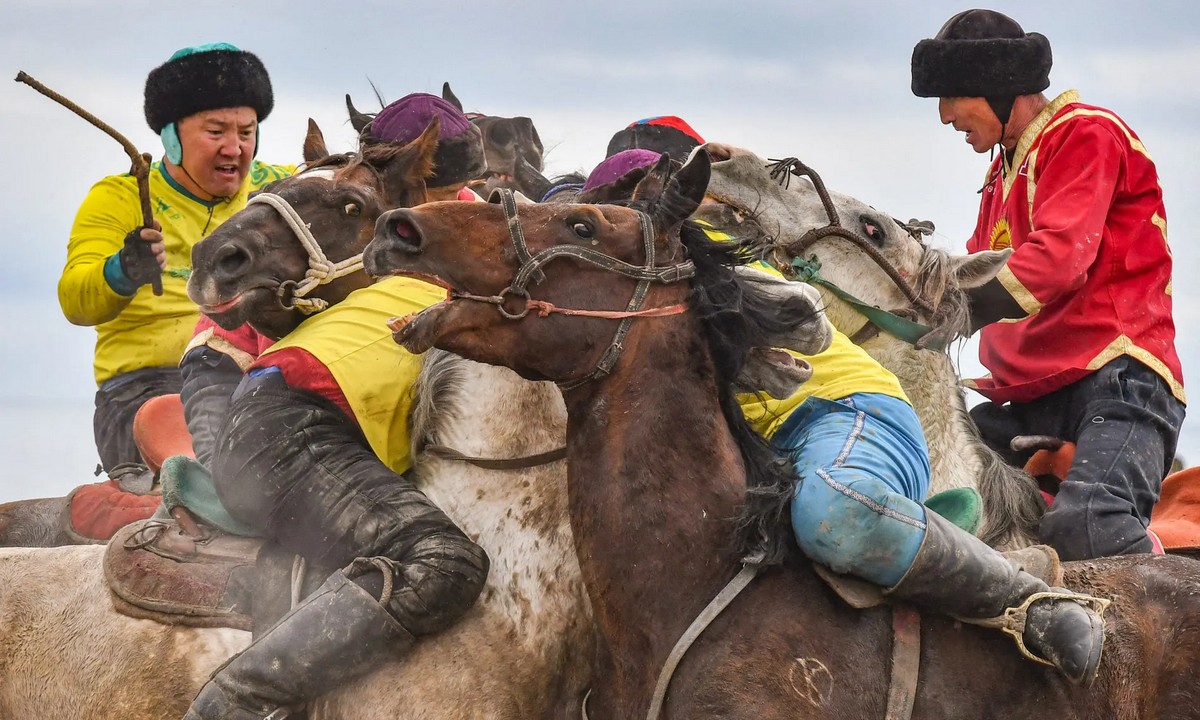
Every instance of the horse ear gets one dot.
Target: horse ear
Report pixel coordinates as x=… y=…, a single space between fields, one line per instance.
x=972 y=271
x=449 y=96
x=405 y=171
x=531 y=182
x=314 y=143
x=650 y=189
x=685 y=191
x=527 y=124
x=358 y=120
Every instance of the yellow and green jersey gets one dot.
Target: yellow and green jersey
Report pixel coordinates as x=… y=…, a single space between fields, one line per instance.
x=142 y=330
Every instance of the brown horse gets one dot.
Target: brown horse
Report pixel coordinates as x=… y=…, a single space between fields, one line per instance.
x=659 y=464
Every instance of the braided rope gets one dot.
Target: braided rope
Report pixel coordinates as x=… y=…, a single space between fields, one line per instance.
x=321 y=269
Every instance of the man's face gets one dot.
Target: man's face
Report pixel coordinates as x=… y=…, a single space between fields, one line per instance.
x=973 y=116
x=218 y=146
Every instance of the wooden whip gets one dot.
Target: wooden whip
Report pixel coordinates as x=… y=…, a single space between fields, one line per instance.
x=141 y=161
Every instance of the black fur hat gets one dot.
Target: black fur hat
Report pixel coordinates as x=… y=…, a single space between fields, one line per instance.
x=981 y=53
x=206 y=77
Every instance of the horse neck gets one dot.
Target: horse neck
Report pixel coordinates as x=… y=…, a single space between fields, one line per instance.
x=958 y=457
x=653 y=476
x=518 y=516
x=956 y=453
x=931 y=384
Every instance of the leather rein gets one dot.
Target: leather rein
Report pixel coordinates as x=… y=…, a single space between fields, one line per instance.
x=531 y=272
x=898 y=323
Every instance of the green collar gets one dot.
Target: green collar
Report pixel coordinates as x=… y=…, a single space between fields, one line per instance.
x=910 y=332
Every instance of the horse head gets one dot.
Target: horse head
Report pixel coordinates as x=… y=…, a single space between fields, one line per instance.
x=511 y=306
x=507 y=143
x=511 y=293
x=880 y=261
x=296 y=248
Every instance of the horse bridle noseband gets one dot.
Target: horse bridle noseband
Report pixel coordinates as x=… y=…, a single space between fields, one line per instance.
x=894 y=322
x=321 y=270
x=531 y=271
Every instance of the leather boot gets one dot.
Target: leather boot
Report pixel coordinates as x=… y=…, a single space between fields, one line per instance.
x=337 y=635
x=956 y=574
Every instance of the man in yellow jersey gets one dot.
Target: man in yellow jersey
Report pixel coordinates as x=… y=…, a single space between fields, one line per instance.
x=206 y=103
x=314 y=455
x=863 y=467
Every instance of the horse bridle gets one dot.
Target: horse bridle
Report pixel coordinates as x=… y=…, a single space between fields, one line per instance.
x=894 y=322
x=531 y=271
x=321 y=270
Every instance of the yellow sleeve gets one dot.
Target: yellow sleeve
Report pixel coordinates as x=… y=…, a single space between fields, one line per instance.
x=110 y=210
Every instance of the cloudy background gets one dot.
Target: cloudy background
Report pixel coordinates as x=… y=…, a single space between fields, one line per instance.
x=825 y=81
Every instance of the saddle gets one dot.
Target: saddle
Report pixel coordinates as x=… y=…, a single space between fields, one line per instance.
x=156 y=571
x=194 y=575
x=97 y=510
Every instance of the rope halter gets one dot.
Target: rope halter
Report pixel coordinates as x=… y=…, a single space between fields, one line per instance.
x=321 y=270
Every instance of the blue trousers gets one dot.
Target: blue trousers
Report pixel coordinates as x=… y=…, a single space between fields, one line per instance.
x=864 y=470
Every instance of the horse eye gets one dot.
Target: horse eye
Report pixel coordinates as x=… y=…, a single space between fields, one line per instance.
x=352 y=210
x=582 y=229
x=872 y=231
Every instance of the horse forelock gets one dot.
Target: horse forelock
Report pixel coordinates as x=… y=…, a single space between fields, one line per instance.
x=935 y=283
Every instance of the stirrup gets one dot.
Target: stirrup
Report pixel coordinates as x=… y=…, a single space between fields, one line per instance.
x=1012 y=621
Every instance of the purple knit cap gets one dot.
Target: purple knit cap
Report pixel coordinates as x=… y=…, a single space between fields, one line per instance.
x=405 y=119
x=612 y=168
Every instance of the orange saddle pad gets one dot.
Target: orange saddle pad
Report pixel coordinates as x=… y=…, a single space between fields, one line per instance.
x=1176 y=518
x=160 y=431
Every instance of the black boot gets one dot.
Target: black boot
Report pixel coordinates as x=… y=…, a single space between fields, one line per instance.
x=339 y=633
x=957 y=574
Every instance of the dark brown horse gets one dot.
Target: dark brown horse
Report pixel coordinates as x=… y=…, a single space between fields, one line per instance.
x=511 y=145
x=247 y=270
x=660 y=461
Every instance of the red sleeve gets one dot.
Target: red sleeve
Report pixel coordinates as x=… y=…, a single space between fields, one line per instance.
x=248 y=342
x=302 y=370
x=1076 y=178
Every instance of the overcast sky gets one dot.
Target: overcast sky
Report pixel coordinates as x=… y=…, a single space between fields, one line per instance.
x=825 y=81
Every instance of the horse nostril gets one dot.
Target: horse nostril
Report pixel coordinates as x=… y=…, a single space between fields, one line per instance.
x=405 y=229
x=406 y=234
x=232 y=261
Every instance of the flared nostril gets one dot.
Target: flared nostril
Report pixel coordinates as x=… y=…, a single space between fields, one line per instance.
x=232 y=261
x=397 y=230
x=405 y=231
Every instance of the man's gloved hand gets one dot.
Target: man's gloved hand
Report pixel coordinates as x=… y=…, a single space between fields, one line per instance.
x=144 y=257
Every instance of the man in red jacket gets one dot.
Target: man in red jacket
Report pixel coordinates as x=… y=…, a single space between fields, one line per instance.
x=1077 y=329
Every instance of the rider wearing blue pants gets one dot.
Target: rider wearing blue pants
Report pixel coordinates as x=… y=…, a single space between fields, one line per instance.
x=863 y=471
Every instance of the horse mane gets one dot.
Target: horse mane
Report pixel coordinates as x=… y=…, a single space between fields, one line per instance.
x=436 y=395
x=933 y=283
x=736 y=318
x=335 y=160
